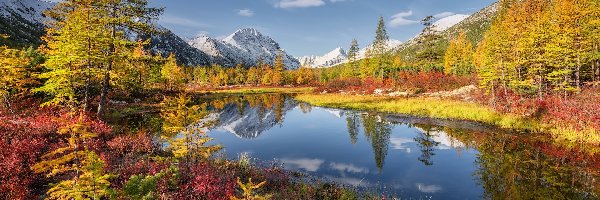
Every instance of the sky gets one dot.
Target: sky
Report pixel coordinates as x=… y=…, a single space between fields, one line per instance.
x=308 y=27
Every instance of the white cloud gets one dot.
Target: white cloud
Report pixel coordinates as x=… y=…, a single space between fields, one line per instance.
x=344 y=167
x=443 y=14
x=349 y=181
x=311 y=165
x=400 y=19
x=400 y=143
x=428 y=188
x=245 y=13
x=175 y=20
x=299 y=3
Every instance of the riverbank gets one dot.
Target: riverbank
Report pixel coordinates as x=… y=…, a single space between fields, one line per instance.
x=453 y=109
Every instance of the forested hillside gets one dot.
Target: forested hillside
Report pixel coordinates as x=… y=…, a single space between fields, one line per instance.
x=473 y=26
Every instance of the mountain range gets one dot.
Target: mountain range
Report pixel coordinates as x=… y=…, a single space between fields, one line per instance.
x=23 y=21
x=247 y=46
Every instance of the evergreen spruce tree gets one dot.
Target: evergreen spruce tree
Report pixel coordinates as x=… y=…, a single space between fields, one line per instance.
x=351 y=69
x=430 y=55
x=379 y=49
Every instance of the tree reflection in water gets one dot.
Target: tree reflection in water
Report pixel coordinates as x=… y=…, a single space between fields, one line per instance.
x=508 y=166
x=378 y=132
x=426 y=143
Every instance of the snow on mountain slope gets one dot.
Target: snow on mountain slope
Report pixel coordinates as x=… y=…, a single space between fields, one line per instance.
x=168 y=43
x=246 y=46
x=253 y=122
x=474 y=25
x=30 y=10
x=337 y=56
x=391 y=44
x=447 y=22
x=22 y=20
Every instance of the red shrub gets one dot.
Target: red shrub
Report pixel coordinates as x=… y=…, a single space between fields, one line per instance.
x=338 y=85
x=208 y=182
x=579 y=111
x=430 y=81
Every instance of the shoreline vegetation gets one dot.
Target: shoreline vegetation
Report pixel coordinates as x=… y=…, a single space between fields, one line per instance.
x=433 y=107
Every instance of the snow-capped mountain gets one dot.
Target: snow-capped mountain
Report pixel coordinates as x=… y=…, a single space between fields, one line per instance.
x=247 y=46
x=447 y=22
x=335 y=57
x=339 y=56
x=167 y=43
x=23 y=20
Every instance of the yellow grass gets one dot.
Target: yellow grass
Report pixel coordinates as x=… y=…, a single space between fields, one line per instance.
x=425 y=107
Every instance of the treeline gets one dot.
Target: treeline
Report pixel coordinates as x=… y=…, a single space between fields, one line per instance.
x=541 y=46
x=262 y=74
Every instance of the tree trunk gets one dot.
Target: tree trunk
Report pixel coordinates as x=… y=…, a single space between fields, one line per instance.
x=86 y=101
x=106 y=84
x=86 y=98
x=593 y=72
x=104 y=94
x=541 y=85
x=597 y=71
x=7 y=103
x=577 y=80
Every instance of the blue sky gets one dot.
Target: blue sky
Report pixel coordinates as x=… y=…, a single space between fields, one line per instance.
x=307 y=27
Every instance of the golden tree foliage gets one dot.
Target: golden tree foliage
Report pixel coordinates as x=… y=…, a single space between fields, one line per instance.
x=74 y=49
x=278 y=69
x=184 y=128
x=248 y=191
x=536 y=46
x=172 y=74
x=89 y=181
x=458 y=59
x=15 y=77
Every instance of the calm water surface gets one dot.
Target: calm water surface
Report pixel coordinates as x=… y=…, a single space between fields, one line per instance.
x=415 y=159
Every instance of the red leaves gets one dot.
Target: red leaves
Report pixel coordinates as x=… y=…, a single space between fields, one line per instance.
x=430 y=81
x=209 y=182
x=403 y=81
x=130 y=144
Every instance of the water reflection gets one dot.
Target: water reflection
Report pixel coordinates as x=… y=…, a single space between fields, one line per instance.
x=248 y=116
x=413 y=157
x=378 y=132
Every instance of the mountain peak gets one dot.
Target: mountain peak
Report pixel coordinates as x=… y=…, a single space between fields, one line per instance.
x=334 y=57
x=245 y=46
x=248 y=31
